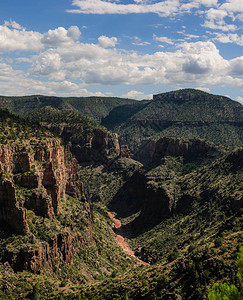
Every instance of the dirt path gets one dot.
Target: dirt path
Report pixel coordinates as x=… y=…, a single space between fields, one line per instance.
x=120 y=239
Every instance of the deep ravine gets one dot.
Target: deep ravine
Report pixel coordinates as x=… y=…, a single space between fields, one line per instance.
x=120 y=239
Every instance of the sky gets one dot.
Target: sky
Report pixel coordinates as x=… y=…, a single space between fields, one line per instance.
x=123 y=48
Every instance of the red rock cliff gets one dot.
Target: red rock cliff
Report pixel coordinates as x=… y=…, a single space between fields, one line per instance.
x=48 y=173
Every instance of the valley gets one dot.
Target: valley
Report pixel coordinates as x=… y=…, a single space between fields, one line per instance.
x=111 y=198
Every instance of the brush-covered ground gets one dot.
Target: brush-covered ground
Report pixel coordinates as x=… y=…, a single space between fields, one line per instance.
x=195 y=243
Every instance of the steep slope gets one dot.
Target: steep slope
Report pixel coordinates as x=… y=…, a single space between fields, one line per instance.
x=88 y=141
x=47 y=226
x=195 y=199
x=187 y=202
x=36 y=174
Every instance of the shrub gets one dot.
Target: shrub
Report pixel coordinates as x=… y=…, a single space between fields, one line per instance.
x=218 y=242
x=224 y=291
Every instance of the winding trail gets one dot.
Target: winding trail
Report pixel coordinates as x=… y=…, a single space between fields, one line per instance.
x=120 y=239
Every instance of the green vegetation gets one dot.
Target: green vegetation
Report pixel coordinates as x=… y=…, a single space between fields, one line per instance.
x=14 y=129
x=94 y=107
x=185 y=114
x=226 y=291
x=183 y=213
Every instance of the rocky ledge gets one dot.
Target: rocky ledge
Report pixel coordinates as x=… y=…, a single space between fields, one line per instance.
x=36 y=178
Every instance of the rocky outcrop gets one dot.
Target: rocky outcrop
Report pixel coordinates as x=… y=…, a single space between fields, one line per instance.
x=47 y=255
x=125 y=151
x=152 y=151
x=97 y=145
x=157 y=205
x=146 y=151
x=10 y=209
x=182 y=96
x=35 y=177
x=167 y=146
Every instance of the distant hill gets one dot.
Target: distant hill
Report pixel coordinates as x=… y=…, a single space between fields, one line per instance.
x=187 y=114
x=94 y=107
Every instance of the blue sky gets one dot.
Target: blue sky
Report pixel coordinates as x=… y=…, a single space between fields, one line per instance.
x=124 y=48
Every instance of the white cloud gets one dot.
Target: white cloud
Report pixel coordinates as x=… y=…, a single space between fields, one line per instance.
x=229 y=38
x=61 y=36
x=240 y=99
x=236 y=66
x=14 y=37
x=69 y=66
x=204 y=89
x=162 y=8
x=14 y=83
x=13 y=24
x=163 y=39
x=139 y=42
x=46 y=63
x=106 y=42
x=216 y=16
x=137 y=95
x=193 y=63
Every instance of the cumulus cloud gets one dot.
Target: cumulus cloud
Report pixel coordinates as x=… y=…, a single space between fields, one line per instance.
x=14 y=83
x=229 y=38
x=236 y=66
x=14 y=37
x=69 y=68
x=106 y=42
x=46 y=63
x=61 y=36
x=137 y=95
x=216 y=16
x=240 y=99
x=193 y=63
x=162 y=8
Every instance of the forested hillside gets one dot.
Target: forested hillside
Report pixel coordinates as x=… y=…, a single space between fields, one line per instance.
x=82 y=177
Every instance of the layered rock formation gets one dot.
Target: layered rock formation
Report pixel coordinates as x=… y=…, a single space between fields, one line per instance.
x=167 y=146
x=35 y=178
x=97 y=145
x=151 y=151
x=47 y=255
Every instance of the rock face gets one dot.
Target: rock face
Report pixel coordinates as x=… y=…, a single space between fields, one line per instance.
x=10 y=210
x=47 y=255
x=179 y=147
x=36 y=179
x=98 y=145
x=151 y=151
x=125 y=152
x=146 y=151
x=186 y=96
x=157 y=204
